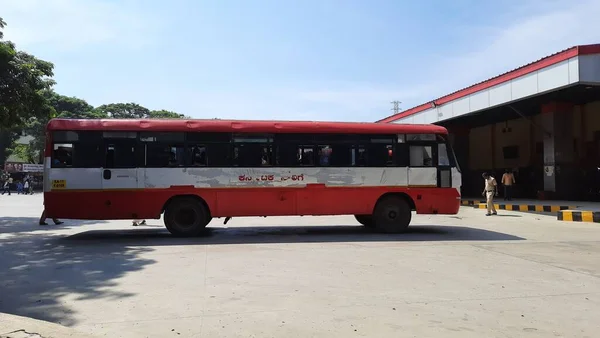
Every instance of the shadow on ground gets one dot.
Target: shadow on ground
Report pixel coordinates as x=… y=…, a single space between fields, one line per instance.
x=38 y=269
x=28 y=224
x=284 y=234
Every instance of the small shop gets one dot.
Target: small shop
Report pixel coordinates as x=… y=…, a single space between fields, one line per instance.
x=23 y=171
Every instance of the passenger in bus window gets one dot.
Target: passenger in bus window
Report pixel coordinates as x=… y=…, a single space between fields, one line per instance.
x=62 y=157
x=198 y=156
x=172 y=159
x=265 y=158
x=324 y=154
x=362 y=160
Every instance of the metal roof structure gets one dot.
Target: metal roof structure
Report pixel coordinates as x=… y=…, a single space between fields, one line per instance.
x=572 y=66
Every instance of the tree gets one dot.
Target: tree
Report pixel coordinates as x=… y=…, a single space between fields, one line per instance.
x=26 y=152
x=72 y=107
x=164 y=114
x=124 y=111
x=134 y=111
x=2 y=25
x=23 y=78
x=7 y=137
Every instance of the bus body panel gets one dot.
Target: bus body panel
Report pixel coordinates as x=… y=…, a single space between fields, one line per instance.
x=236 y=202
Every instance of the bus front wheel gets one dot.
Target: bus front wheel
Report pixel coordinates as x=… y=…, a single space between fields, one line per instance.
x=366 y=220
x=186 y=217
x=392 y=214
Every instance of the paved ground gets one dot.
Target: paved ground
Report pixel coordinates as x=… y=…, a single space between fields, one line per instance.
x=514 y=275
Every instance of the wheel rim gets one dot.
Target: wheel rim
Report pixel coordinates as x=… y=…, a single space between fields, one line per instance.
x=392 y=214
x=186 y=218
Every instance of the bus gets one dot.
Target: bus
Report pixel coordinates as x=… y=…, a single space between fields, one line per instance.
x=191 y=171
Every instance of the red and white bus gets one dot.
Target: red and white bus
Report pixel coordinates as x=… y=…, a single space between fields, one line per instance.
x=195 y=170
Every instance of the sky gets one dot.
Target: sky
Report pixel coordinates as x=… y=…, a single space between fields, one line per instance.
x=336 y=60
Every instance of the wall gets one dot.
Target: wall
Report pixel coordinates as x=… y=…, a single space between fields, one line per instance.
x=591 y=119
x=480 y=145
x=480 y=148
x=517 y=136
x=586 y=120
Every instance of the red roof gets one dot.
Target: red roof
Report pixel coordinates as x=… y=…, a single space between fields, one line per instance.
x=242 y=126
x=515 y=73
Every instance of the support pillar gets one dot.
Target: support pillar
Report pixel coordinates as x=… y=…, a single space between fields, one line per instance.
x=557 y=122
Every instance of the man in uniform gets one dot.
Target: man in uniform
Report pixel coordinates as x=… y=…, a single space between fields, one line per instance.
x=489 y=191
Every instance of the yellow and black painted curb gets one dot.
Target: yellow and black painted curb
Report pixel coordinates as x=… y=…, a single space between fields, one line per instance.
x=471 y=202
x=528 y=207
x=578 y=216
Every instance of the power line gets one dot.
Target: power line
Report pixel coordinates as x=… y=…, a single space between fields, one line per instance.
x=396 y=108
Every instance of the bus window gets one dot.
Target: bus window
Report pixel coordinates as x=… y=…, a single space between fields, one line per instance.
x=380 y=155
x=62 y=155
x=267 y=156
x=251 y=155
x=443 y=159
x=87 y=155
x=421 y=156
x=164 y=149
x=286 y=155
x=359 y=156
x=252 y=150
x=218 y=155
x=305 y=156
x=164 y=155
x=324 y=153
x=120 y=155
x=198 y=155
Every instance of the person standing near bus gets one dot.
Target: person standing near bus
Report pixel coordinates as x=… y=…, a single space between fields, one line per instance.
x=26 y=186
x=137 y=222
x=43 y=219
x=508 y=179
x=6 y=187
x=489 y=191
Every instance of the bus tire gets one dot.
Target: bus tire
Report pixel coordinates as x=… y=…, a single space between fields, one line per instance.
x=366 y=220
x=392 y=214
x=186 y=217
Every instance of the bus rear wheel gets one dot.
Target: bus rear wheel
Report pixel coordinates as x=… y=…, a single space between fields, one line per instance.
x=366 y=220
x=186 y=217
x=392 y=214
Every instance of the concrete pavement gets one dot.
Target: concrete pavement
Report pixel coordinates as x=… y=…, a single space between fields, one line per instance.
x=512 y=275
x=12 y=326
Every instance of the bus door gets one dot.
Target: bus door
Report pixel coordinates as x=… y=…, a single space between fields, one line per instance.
x=444 y=165
x=422 y=171
x=119 y=170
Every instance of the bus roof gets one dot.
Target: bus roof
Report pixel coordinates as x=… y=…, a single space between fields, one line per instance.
x=239 y=126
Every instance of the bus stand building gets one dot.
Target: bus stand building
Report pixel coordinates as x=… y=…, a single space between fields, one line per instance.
x=541 y=120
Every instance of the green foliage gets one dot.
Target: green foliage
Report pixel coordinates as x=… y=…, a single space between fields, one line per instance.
x=7 y=137
x=37 y=129
x=23 y=78
x=27 y=103
x=134 y=111
x=25 y=152
x=164 y=114
x=124 y=111
x=71 y=107
x=2 y=25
